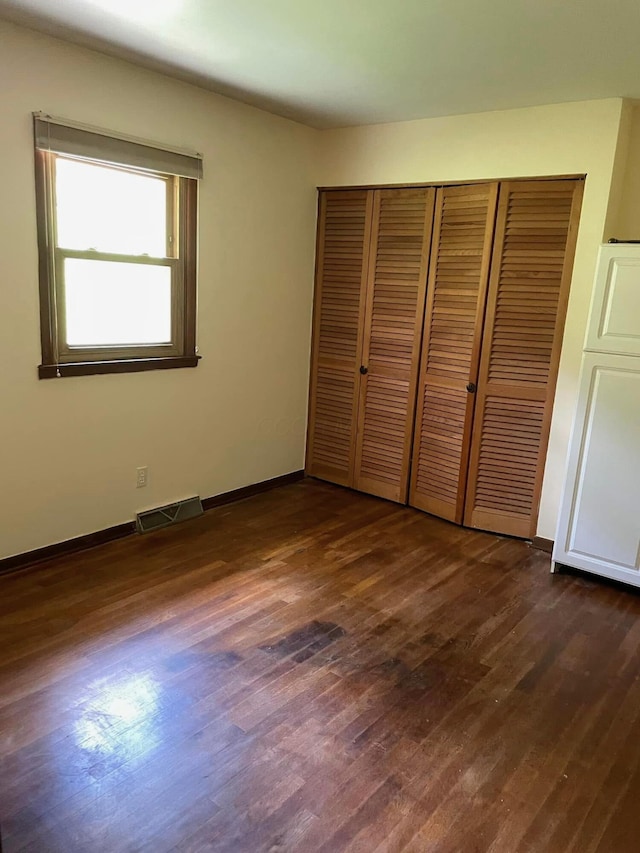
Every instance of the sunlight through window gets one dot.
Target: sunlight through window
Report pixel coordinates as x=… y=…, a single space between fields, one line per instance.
x=116 y=303
x=110 y=210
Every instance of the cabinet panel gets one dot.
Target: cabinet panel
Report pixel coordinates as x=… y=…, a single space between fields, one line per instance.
x=600 y=519
x=401 y=232
x=458 y=274
x=614 y=323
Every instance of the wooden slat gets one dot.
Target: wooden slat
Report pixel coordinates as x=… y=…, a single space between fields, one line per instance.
x=344 y=234
x=458 y=275
x=402 y=222
x=536 y=231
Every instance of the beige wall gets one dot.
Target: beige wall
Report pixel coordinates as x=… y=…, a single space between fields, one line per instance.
x=627 y=210
x=69 y=447
x=551 y=140
x=618 y=176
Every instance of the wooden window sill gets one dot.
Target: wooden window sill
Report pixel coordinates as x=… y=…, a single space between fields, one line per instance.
x=122 y=365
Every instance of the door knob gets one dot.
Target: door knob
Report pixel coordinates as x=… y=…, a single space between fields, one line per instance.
x=471 y=387
x=363 y=370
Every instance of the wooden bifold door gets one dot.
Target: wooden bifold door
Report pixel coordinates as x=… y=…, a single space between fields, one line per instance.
x=437 y=330
x=533 y=250
x=458 y=277
x=373 y=252
x=393 y=315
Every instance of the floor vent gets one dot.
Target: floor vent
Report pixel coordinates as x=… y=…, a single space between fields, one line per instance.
x=163 y=516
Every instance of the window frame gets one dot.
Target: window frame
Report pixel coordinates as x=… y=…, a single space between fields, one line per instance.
x=60 y=359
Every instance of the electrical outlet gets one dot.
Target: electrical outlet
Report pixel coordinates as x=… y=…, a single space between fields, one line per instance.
x=141 y=477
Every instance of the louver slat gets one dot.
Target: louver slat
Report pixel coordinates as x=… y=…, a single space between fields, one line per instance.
x=531 y=271
x=459 y=271
x=341 y=276
x=402 y=221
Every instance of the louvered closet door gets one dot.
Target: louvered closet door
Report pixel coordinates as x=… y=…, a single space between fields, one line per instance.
x=344 y=231
x=456 y=297
x=531 y=269
x=402 y=221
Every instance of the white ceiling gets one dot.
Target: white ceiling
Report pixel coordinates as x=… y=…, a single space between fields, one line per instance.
x=330 y=63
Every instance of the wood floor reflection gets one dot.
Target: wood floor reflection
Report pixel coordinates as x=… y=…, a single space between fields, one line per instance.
x=317 y=670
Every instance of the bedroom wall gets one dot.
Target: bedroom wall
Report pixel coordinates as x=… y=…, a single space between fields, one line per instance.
x=563 y=139
x=626 y=224
x=69 y=447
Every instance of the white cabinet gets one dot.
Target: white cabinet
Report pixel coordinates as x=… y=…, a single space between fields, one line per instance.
x=599 y=528
x=599 y=523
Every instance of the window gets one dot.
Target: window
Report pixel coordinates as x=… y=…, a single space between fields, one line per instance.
x=117 y=229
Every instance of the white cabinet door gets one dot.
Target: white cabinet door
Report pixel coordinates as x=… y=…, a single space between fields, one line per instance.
x=599 y=526
x=614 y=323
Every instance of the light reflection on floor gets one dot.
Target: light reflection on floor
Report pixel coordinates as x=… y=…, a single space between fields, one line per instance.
x=121 y=718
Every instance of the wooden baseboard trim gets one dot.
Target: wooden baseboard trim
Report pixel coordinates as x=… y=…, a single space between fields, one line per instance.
x=101 y=537
x=250 y=491
x=542 y=544
x=70 y=546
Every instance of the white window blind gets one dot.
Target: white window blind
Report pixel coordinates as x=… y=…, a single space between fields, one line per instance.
x=64 y=137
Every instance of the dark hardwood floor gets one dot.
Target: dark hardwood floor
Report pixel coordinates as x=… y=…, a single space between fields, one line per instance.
x=317 y=670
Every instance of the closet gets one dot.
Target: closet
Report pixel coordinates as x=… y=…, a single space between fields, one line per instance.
x=437 y=330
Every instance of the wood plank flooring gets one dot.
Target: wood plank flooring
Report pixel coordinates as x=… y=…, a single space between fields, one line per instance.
x=317 y=670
